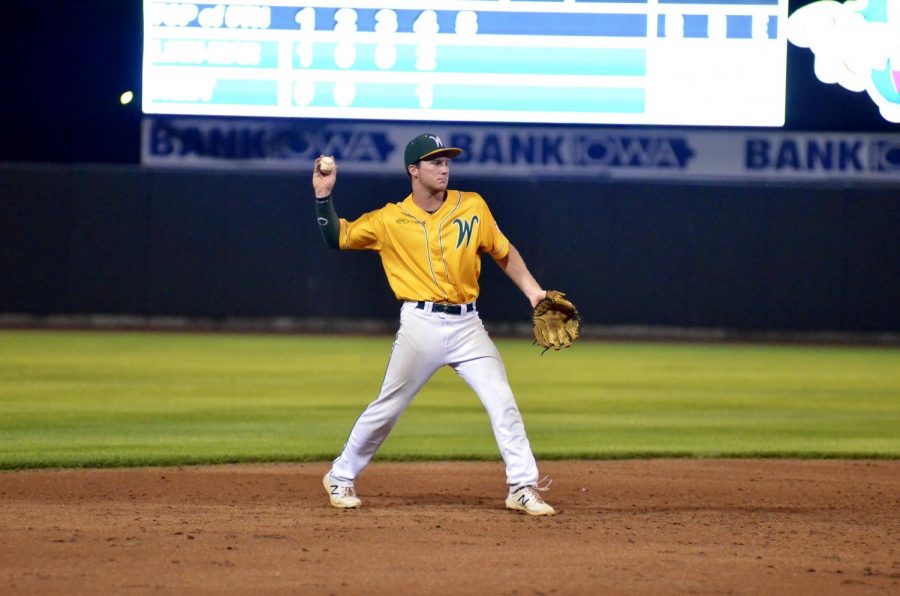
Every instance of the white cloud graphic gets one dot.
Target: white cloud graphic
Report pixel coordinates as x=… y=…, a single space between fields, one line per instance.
x=852 y=43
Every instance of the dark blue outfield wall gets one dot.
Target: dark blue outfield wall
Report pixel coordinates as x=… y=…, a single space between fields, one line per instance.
x=128 y=241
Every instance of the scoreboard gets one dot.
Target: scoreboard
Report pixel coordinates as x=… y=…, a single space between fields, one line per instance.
x=658 y=62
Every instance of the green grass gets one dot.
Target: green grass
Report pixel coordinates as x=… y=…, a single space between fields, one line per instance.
x=122 y=399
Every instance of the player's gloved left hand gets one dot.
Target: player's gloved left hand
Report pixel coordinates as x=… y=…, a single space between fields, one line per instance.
x=557 y=322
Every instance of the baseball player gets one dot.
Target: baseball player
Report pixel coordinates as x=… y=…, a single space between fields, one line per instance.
x=430 y=245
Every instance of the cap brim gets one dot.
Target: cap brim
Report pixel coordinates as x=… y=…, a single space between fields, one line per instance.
x=442 y=152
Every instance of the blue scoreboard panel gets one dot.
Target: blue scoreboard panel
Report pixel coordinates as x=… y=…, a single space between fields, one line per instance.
x=659 y=62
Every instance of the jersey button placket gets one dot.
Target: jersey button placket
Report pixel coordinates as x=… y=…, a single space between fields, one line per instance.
x=434 y=254
x=446 y=278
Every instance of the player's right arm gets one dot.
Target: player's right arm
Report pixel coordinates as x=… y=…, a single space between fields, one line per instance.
x=329 y=224
x=339 y=233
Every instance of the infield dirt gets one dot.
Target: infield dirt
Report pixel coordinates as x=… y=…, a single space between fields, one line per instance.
x=624 y=527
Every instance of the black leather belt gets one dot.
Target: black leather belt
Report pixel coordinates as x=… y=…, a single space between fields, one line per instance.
x=450 y=309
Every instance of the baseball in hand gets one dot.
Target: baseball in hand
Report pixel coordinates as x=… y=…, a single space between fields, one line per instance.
x=326 y=164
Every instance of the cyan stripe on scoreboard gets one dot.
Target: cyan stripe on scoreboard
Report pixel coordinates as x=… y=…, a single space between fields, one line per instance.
x=489 y=98
x=488 y=60
x=268 y=53
x=538 y=99
x=239 y=92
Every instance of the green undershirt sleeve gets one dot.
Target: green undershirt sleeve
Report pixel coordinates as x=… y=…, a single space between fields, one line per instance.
x=329 y=225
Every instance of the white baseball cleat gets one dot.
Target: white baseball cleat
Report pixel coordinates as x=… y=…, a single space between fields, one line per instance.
x=342 y=497
x=528 y=500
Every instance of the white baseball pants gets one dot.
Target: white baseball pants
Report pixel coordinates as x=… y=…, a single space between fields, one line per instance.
x=425 y=342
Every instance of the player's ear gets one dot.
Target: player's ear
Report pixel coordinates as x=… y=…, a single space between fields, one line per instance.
x=411 y=169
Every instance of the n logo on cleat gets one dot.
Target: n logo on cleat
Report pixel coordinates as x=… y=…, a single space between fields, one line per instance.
x=523 y=500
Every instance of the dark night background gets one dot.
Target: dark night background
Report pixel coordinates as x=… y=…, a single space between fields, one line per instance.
x=66 y=64
x=121 y=239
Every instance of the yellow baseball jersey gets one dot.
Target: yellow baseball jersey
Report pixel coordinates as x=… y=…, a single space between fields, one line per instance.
x=430 y=256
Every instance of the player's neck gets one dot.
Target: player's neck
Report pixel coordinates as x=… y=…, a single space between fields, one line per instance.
x=428 y=201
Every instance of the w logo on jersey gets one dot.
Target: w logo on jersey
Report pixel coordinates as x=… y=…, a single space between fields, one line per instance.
x=465 y=229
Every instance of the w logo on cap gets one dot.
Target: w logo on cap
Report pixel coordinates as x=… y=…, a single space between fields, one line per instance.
x=426 y=146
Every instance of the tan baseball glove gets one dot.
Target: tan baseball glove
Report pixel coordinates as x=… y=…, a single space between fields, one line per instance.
x=557 y=323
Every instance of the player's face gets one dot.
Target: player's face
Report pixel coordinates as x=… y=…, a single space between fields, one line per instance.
x=434 y=174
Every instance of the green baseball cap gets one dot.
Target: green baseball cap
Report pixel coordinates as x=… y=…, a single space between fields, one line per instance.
x=425 y=146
